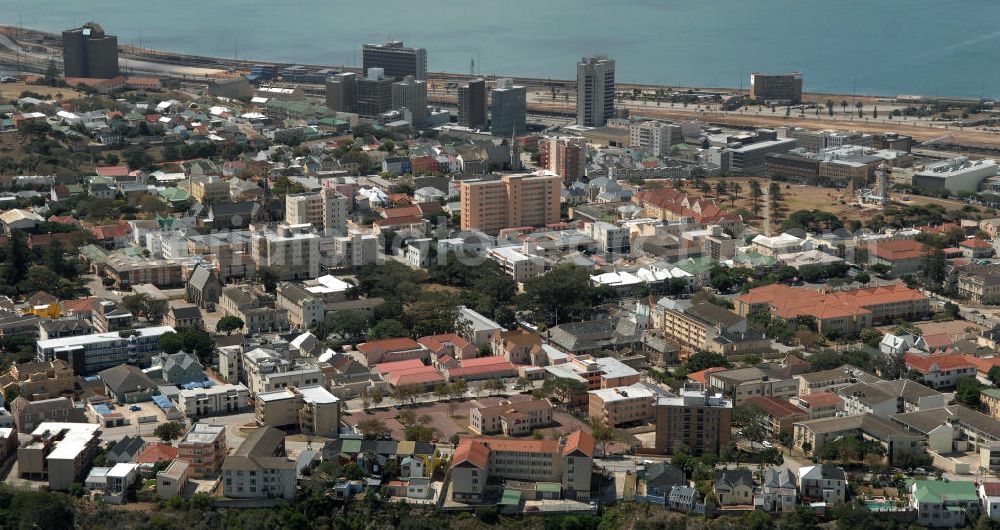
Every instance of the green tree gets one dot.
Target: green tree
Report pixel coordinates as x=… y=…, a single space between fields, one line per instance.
x=372 y=427
x=169 y=431
x=562 y=295
x=702 y=360
x=387 y=329
x=229 y=324
x=967 y=390
x=494 y=386
x=268 y=277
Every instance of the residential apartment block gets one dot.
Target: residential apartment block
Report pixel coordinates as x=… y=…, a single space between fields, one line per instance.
x=623 y=406
x=223 y=399
x=312 y=409
x=567 y=462
x=325 y=209
x=697 y=419
x=523 y=200
x=203 y=448
x=59 y=452
x=260 y=468
x=89 y=354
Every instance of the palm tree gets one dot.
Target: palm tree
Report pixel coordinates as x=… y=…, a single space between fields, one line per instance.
x=736 y=189
x=755 y=193
x=843 y=105
x=860 y=106
x=720 y=188
x=829 y=107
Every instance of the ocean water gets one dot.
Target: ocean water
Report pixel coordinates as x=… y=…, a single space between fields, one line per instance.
x=867 y=47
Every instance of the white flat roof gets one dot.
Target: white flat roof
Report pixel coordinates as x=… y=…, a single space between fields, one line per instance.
x=122 y=470
x=93 y=338
x=317 y=394
x=77 y=436
x=275 y=395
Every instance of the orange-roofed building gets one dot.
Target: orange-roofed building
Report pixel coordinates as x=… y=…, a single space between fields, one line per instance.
x=702 y=376
x=975 y=248
x=940 y=371
x=844 y=312
x=449 y=344
x=780 y=414
x=388 y=350
x=568 y=462
x=983 y=364
x=155 y=453
x=819 y=404
x=112 y=171
x=902 y=256
x=482 y=368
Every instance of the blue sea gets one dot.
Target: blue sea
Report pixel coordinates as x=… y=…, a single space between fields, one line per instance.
x=865 y=47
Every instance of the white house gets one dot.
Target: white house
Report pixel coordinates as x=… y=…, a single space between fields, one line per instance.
x=823 y=483
x=989 y=496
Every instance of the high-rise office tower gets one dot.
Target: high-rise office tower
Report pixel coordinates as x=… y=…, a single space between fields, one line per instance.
x=88 y=52
x=785 y=88
x=342 y=92
x=509 y=109
x=411 y=93
x=595 y=91
x=374 y=94
x=395 y=59
x=472 y=104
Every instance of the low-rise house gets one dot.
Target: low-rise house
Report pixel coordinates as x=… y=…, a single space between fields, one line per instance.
x=821 y=483
x=734 y=487
x=951 y=428
x=389 y=350
x=511 y=419
x=940 y=371
x=125 y=450
x=188 y=316
x=683 y=499
x=305 y=310
x=819 y=405
x=778 y=490
x=179 y=368
x=661 y=477
x=172 y=481
x=260 y=468
x=903 y=256
x=944 y=504
x=989 y=497
x=128 y=384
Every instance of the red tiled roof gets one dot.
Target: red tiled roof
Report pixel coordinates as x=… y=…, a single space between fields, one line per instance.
x=472 y=452
x=438 y=343
x=899 y=250
x=404 y=211
x=991 y=488
x=579 y=441
x=938 y=340
x=790 y=302
x=157 y=452
x=386 y=345
x=702 y=376
x=983 y=364
x=83 y=305
x=483 y=366
x=821 y=399
x=975 y=242
x=925 y=363
x=112 y=171
x=774 y=407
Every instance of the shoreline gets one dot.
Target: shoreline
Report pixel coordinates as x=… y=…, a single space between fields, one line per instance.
x=232 y=66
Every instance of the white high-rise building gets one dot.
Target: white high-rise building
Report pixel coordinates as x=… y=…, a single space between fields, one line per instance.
x=595 y=91
x=292 y=250
x=655 y=137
